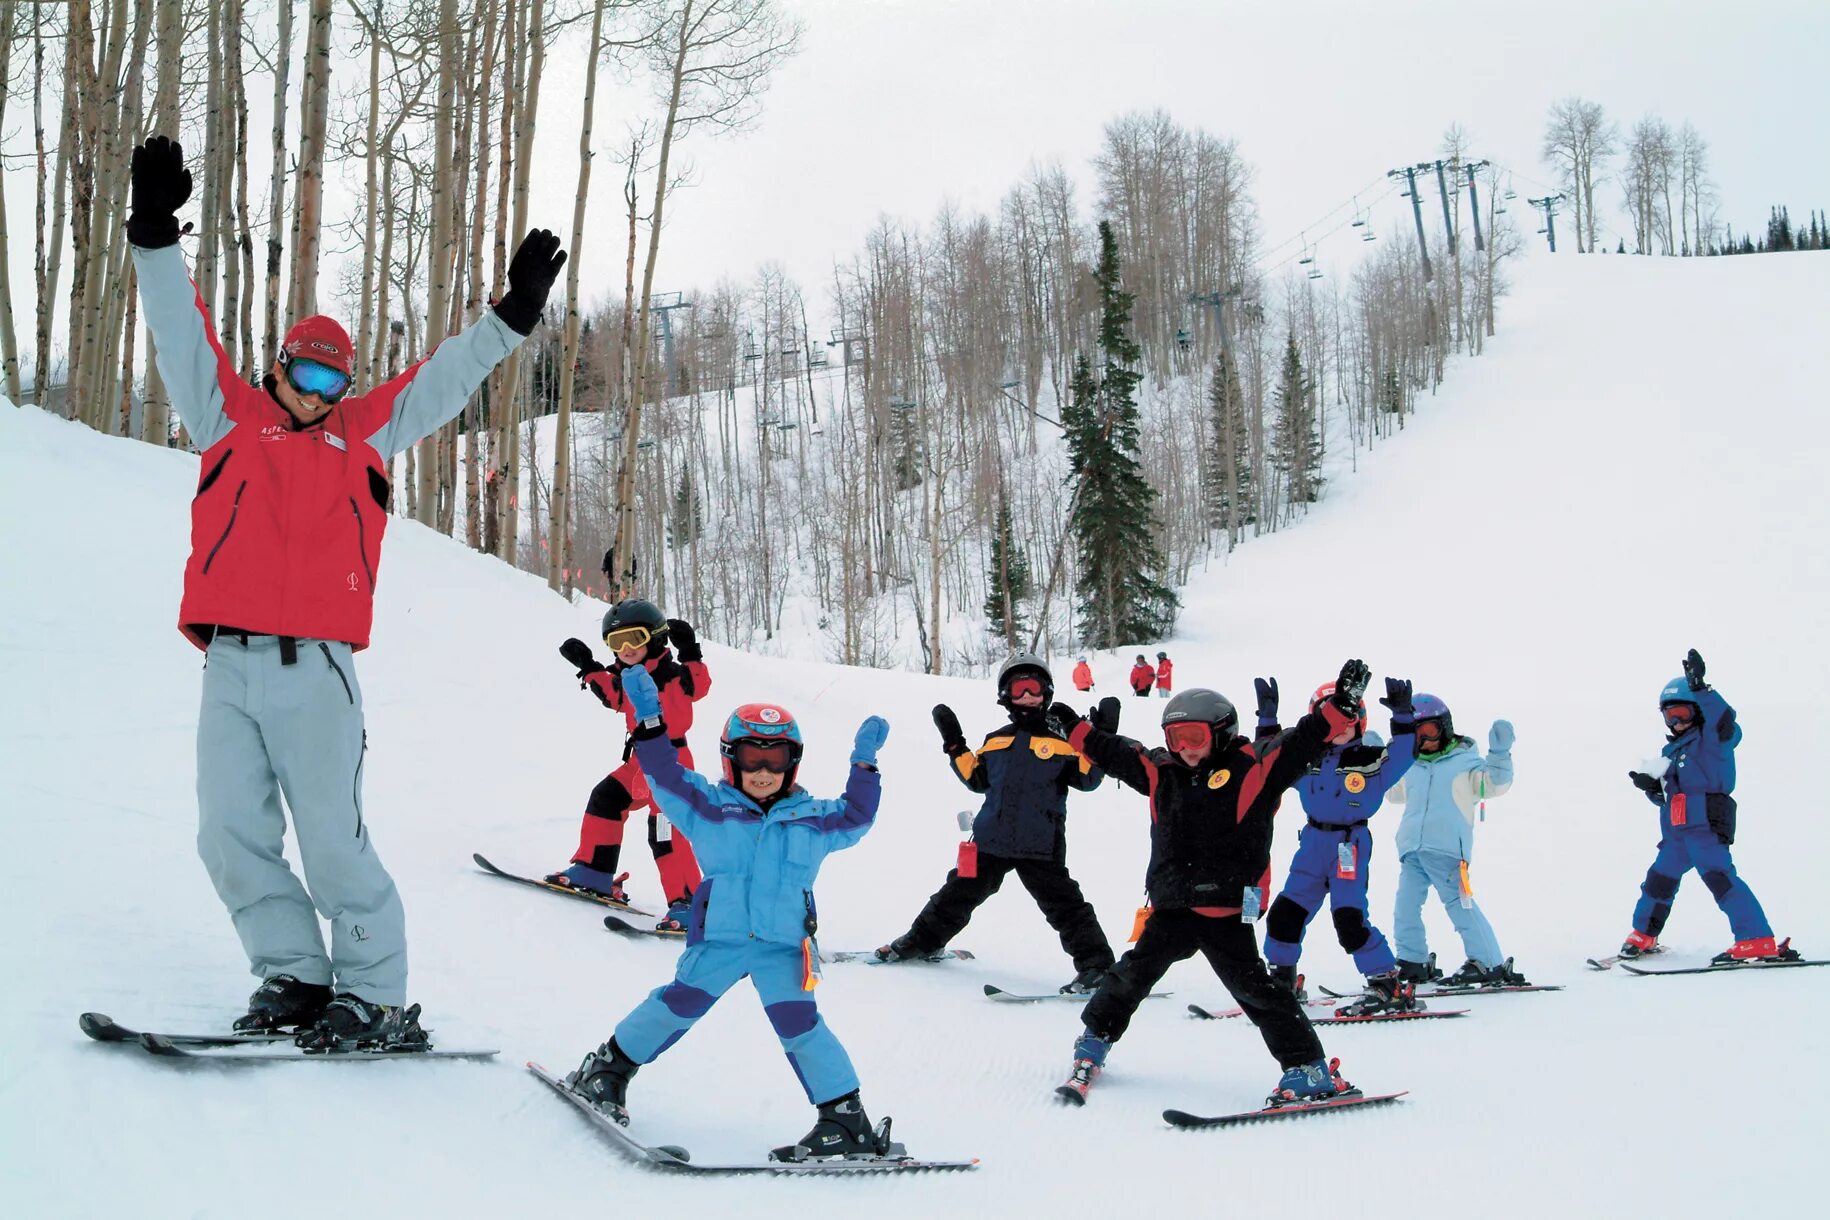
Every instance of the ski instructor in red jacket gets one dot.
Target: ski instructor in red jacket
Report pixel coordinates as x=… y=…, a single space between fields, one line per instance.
x=286 y=529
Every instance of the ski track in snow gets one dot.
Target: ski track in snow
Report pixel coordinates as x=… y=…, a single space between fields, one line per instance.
x=1634 y=468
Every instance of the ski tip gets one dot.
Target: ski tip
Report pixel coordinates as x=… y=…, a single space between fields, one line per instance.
x=990 y=990
x=674 y=1152
x=481 y=862
x=100 y=1026
x=162 y=1046
x=1195 y=1010
x=1067 y=1096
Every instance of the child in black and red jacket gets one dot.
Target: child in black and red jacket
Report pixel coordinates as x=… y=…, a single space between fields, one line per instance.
x=1212 y=797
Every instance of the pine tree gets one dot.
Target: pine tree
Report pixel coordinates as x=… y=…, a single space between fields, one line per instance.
x=1121 y=599
x=905 y=447
x=1296 y=446
x=1230 y=497
x=1007 y=577
x=688 y=519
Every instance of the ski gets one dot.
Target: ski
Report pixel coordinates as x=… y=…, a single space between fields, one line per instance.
x=1609 y=962
x=1452 y=993
x=675 y=1159
x=626 y=928
x=164 y=1048
x=1016 y=997
x=1074 y=1091
x=103 y=1028
x=869 y=957
x=1728 y=969
x=550 y=888
x=1221 y=1014
x=1187 y=1121
x=1208 y=1014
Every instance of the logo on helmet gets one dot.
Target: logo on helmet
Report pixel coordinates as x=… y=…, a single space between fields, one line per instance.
x=769 y=715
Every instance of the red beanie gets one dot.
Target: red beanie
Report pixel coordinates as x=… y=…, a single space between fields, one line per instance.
x=320 y=338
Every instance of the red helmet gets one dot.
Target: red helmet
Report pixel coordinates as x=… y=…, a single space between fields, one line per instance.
x=1325 y=692
x=766 y=731
x=322 y=339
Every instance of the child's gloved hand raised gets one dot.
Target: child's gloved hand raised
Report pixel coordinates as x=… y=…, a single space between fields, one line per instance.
x=579 y=654
x=1267 y=697
x=952 y=737
x=1105 y=716
x=871 y=735
x=1500 y=737
x=639 y=689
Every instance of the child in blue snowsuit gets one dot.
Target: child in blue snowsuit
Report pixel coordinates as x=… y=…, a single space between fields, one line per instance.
x=1334 y=851
x=1446 y=789
x=760 y=841
x=1696 y=821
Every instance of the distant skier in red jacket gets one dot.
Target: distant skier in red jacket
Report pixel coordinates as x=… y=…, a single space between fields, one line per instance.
x=639 y=636
x=1083 y=675
x=1164 y=672
x=1142 y=675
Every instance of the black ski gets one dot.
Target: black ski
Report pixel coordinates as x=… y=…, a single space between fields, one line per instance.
x=550 y=888
x=1415 y=1014
x=1187 y=1121
x=1452 y=993
x=1756 y=964
x=869 y=957
x=623 y=926
x=167 y=1049
x=103 y=1028
x=673 y=1158
x=1015 y=997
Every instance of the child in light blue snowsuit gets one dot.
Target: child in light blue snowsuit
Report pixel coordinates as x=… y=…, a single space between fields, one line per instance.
x=760 y=841
x=1334 y=851
x=1697 y=820
x=1445 y=791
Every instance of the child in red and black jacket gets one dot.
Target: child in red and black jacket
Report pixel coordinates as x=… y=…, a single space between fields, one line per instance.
x=1212 y=797
x=637 y=634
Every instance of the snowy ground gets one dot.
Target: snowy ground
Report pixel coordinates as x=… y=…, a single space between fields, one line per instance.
x=1634 y=469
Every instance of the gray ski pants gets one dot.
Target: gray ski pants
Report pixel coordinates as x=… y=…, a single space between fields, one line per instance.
x=268 y=730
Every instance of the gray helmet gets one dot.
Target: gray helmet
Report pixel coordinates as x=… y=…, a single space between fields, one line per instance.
x=1025 y=661
x=1204 y=706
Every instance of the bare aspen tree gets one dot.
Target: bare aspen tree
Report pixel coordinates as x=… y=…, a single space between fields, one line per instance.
x=80 y=89
x=1579 y=140
x=155 y=420
x=41 y=356
x=498 y=490
x=715 y=57
x=9 y=342
x=529 y=69
x=473 y=301
x=276 y=189
x=308 y=205
x=438 y=269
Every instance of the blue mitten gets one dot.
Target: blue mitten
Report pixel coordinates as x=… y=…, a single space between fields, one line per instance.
x=1500 y=737
x=639 y=689
x=871 y=735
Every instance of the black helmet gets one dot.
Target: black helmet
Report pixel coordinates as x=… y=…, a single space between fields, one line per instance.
x=1162 y=656
x=1025 y=662
x=633 y=613
x=1204 y=706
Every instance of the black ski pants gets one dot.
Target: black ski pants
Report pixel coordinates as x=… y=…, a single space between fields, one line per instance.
x=1231 y=949
x=1059 y=896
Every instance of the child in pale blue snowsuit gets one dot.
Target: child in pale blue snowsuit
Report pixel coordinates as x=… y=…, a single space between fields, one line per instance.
x=753 y=913
x=1444 y=792
x=1334 y=850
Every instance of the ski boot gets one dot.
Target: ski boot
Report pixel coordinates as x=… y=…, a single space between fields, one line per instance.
x=1086 y=982
x=588 y=880
x=1759 y=949
x=1419 y=972
x=1310 y=1082
x=1638 y=944
x=603 y=1080
x=1089 y=1060
x=351 y=1023
x=1503 y=975
x=674 y=922
x=1292 y=982
x=843 y=1131
x=1471 y=974
x=1384 y=993
x=904 y=949
x=281 y=1001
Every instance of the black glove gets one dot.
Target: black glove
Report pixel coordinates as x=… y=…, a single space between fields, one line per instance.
x=579 y=654
x=1693 y=670
x=161 y=184
x=1267 y=697
x=1064 y=719
x=531 y=273
x=1105 y=716
x=952 y=737
x=1651 y=785
x=1725 y=727
x=1351 y=685
x=686 y=644
x=1398 y=697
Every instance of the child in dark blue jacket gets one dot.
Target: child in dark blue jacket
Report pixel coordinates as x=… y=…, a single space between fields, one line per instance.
x=1697 y=822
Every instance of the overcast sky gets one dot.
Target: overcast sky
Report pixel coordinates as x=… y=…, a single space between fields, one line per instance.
x=894 y=106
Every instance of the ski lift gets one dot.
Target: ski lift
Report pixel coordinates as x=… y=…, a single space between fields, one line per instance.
x=1308 y=257
x=1315 y=273
x=787 y=425
x=1510 y=194
x=1183 y=339
x=902 y=404
x=1369 y=235
x=645 y=444
x=1359 y=217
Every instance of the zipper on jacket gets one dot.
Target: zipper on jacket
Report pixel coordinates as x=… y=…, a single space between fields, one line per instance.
x=362 y=544
x=338 y=670
x=234 y=511
x=209 y=480
x=355 y=788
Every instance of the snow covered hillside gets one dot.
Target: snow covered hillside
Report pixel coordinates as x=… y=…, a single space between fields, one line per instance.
x=1635 y=468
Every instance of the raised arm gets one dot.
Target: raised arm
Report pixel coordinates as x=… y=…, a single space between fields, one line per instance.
x=1123 y=759
x=962 y=761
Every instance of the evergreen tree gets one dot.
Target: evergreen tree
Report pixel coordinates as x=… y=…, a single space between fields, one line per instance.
x=1121 y=599
x=1007 y=577
x=688 y=519
x=1296 y=446
x=1230 y=498
x=904 y=447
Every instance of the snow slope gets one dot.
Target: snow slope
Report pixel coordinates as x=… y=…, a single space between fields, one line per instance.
x=1633 y=469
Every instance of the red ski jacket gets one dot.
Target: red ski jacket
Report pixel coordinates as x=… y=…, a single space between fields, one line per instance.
x=286 y=524
x=1083 y=676
x=681 y=684
x=1141 y=677
x=1163 y=671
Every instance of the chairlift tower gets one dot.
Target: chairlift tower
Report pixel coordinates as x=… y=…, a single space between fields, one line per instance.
x=1218 y=300
x=1549 y=204
x=662 y=305
x=1410 y=192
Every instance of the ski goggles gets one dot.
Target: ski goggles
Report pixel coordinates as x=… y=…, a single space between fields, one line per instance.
x=1024 y=687
x=1679 y=717
x=1189 y=735
x=311 y=377
x=628 y=637
x=1429 y=734
x=775 y=757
